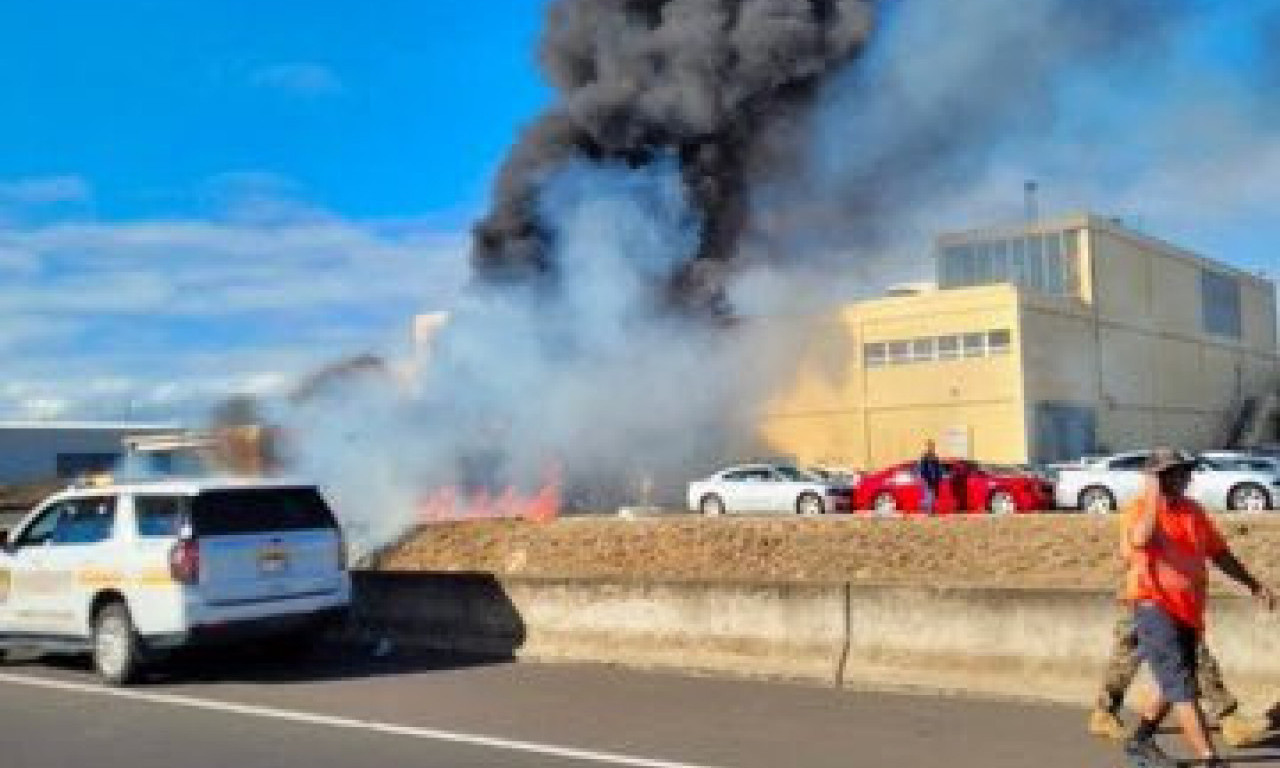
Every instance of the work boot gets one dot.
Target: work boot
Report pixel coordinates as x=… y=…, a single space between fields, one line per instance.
x=1240 y=731
x=1107 y=724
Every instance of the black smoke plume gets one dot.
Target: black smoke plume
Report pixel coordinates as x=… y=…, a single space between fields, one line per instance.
x=705 y=81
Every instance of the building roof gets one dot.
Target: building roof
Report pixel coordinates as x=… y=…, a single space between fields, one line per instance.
x=88 y=426
x=1113 y=226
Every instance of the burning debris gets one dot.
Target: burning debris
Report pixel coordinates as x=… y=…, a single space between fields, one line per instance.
x=712 y=83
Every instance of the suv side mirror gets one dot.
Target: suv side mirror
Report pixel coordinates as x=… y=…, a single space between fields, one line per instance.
x=4 y=538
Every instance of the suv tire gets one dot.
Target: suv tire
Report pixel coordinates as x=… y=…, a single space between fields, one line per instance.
x=117 y=651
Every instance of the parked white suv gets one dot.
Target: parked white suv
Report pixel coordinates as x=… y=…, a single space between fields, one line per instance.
x=127 y=572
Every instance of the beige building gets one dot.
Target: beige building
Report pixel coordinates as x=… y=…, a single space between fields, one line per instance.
x=1039 y=343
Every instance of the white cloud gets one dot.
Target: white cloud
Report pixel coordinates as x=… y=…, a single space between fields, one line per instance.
x=44 y=190
x=166 y=316
x=301 y=78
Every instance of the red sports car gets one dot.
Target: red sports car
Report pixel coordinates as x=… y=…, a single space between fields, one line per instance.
x=967 y=486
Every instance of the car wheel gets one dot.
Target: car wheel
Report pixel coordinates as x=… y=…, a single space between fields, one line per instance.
x=117 y=651
x=711 y=505
x=885 y=503
x=1097 y=500
x=1249 y=497
x=809 y=504
x=1002 y=503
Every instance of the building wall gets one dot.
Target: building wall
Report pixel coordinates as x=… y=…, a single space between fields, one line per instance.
x=1124 y=362
x=840 y=411
x=30 y=453
x=1136 y=352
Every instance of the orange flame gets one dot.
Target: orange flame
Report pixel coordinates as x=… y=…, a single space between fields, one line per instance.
x=450 y=504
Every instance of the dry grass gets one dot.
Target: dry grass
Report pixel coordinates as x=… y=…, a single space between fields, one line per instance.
x=1071 y=551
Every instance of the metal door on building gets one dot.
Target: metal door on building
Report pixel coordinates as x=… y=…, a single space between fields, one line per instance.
x=1065 y=431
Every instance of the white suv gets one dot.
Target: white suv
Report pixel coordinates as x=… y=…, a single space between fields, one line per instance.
x=128 y=572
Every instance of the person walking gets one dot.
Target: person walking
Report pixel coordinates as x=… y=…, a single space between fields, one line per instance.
x=1238 y=729
x=930 y=471
x=1169 y=540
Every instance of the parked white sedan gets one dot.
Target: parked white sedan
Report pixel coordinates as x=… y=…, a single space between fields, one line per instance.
x=1103 y=485
x=768 y=488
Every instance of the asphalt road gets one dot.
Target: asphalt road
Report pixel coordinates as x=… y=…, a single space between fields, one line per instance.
x=443 y=712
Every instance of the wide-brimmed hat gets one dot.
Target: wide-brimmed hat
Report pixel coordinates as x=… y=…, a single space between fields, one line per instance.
x=1164 y=460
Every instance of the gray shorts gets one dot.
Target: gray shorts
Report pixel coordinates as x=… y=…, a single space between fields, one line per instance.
x=1169 y=648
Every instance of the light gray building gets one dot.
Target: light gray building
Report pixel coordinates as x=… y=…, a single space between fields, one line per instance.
x=37 y=451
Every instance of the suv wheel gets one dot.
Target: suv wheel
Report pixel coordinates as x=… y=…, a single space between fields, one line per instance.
x=810 y=504
x=711 y=505
x=1249 y=497
x=117 y=652
x=1097 y=500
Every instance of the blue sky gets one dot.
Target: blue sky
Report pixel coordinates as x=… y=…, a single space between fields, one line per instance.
x=210 y=196
x=214 y=195
x=393 y=108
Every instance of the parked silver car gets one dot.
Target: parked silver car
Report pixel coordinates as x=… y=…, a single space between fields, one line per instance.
x=1103 y=485
x=768 y=488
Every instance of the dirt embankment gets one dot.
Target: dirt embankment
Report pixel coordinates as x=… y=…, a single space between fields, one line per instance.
x=1040 y=551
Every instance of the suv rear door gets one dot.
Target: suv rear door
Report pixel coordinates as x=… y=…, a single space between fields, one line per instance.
x=262 y=544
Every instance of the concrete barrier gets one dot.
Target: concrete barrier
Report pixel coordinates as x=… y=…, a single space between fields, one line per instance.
x=792 y=631
x=1015 y=642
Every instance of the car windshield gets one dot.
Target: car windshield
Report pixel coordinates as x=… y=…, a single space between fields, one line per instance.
x=795 y=474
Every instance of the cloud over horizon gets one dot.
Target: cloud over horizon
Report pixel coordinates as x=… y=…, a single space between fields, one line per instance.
x=162 y=317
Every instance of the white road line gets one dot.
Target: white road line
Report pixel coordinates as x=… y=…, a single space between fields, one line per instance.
x=331 y=721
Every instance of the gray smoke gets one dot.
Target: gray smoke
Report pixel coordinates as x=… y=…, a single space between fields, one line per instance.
x=937 y=100
x=772 y=135
x=704 y=81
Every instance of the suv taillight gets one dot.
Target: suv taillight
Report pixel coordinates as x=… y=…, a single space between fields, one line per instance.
x=342 y=551
x=184 y=561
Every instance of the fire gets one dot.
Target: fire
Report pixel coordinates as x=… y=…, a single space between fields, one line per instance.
x=451 y=503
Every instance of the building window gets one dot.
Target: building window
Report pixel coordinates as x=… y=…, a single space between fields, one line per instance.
x=1220 y=304
x=948 y=347
x=1047 y=263
x=876 y=355
x=998 y=342
x=922 y=350
x=932 y=348
x=975 y=344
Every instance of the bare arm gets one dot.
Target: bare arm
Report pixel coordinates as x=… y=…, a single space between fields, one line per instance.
x=1232 y=567
x=1145 y=526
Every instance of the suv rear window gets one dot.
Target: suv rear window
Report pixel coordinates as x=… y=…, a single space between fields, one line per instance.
x=259 y=510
